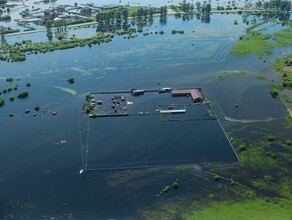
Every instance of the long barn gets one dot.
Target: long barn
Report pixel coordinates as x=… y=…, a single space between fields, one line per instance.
x=194 y=93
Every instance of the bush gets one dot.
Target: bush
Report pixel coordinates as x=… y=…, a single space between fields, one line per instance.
x=242 y=147
x=175 y=184
x=132 y=90
x=10 y=115
x=22 y=94
x=9 y=79
x=28 y=84
x=11 y=98
x=232 y=182
x=216 y=178
x=166 y=189
x=36 y=108
x=177 y=31
x=70 y=80
x=1 y=102
x=288 y=142
x=270 y=139
x=274 y=93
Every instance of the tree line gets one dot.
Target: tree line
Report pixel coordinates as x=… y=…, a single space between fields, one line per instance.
x=281 y=5
x=117 y=19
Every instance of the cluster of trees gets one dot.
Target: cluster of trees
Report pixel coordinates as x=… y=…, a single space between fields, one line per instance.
x=49 y=30
x=111 y=20
x=177 y=32
x=49 y=1
x=61 y=25
x=144 y=13
x=281 y=5
x=143 y=16
x=186 y=7
x=3 y=2
x=5 y=18
x=228 y=7
x=204 y=12
x=24 y=13
x=163 y=14
x=279 y=9
x=8 y=90
x=117 y=19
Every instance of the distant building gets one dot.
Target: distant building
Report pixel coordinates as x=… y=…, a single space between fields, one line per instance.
x=194 y=93
x=86 y=11
x=163 y=90
x=50 y=14
x=61 y=8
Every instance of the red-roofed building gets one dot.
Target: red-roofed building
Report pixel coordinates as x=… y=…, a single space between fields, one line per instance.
x=194 y=93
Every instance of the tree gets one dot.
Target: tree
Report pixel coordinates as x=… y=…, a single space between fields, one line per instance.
x=1 y=102
x=163 y=13
x=258 y=4
x=49 y=31
x=266 y=5
x=198 y=6
x=70 y=80
x=274 y=93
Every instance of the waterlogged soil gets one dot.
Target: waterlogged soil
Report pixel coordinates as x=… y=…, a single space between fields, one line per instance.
x=40 y=157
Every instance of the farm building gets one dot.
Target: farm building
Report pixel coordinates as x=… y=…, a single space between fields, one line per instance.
x=194 y=93
x=175 y=111
x=137 y=92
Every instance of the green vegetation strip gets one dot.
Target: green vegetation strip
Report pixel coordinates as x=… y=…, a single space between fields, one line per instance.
x=257 y=43
x=252 y=209
x=17 y=51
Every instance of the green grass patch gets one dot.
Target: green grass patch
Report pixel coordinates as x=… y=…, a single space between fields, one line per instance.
x=254 y=157
x=284 y=37
x=256 y=43
x=133 y=9
x=288 y=121
x=251 y=209
x=253 y=43
x=261 y=78
x=255 y=25
x=287 y=99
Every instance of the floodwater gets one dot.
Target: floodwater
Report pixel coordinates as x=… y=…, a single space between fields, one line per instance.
x=40 y=157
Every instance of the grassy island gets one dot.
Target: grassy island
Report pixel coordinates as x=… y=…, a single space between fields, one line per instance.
x=255 y=42
x=22 y=94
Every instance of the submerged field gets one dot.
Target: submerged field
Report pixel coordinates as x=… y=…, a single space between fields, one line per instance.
x=41 y=155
